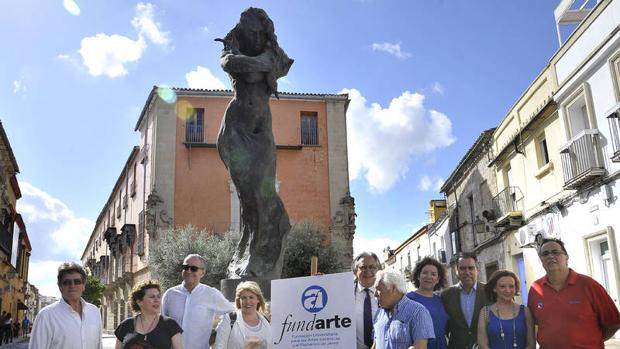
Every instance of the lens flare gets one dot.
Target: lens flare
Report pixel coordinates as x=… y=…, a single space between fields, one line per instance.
x=184 y=110
x=167 y=94
x=71 y=7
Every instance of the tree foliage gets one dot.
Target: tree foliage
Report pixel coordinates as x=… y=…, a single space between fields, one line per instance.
x=93 y=291
x=171 y=247
x=305 y=240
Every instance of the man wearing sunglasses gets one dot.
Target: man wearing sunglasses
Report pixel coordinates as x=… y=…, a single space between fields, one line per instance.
x=69 y=323
x=194 y=305
x=571 y=310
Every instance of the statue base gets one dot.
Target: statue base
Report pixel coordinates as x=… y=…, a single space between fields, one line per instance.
x=229 y=286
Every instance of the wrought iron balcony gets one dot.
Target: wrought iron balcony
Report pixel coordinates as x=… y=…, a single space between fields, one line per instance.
x=582 y=159
x=508 y=205
x=614 y=128
x=194 y=133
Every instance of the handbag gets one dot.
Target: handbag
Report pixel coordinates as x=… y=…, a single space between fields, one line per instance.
x=233 y=317
x=485 y=311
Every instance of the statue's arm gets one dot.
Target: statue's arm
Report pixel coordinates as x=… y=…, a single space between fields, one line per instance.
x=237 y=63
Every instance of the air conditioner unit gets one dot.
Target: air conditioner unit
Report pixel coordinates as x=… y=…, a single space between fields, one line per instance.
x=529 y=236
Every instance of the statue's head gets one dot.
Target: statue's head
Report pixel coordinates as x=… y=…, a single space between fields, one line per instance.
x=254 y=32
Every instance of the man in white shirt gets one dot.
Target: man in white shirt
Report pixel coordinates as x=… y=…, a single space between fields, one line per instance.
x=365 y=266
x=194 y=305
x=69 y=323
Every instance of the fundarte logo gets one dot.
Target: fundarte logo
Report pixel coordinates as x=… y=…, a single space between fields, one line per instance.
x=314 y=298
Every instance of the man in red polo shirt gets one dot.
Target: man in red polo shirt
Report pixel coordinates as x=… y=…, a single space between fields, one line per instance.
x=571 y=310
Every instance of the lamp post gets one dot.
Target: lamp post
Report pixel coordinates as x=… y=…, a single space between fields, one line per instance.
x=479 y=226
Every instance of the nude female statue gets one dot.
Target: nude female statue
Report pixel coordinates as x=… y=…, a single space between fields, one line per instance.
x=254 y=62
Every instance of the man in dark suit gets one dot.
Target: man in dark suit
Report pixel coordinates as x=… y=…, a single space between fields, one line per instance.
x=463 y=302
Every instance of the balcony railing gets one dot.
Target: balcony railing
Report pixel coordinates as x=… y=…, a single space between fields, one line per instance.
x=194 y=133
x=614 y=129
x=508 y=204
x=582 y=159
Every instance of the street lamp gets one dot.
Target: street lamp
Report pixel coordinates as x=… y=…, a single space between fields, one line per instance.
x=479 y=226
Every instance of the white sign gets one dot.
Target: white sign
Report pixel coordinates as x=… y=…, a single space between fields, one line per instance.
x=313 y=312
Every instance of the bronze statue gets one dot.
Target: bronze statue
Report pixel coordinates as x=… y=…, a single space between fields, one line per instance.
x=254 y=62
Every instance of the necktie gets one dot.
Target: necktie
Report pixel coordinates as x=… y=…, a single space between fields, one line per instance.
x=367 y=320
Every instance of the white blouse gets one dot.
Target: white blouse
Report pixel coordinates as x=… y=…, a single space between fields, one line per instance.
x=235 y=338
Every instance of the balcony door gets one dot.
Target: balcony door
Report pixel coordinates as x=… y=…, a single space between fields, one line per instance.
x=578 y=114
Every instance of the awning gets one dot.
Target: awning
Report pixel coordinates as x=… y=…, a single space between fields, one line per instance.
x=21 y=306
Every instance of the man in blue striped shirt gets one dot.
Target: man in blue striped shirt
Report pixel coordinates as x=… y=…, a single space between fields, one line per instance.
x=401 y=323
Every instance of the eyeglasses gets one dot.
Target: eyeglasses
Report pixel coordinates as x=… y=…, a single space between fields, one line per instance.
x=69 y=282
x=193 y=268
x=371 y=268
x=553 y=253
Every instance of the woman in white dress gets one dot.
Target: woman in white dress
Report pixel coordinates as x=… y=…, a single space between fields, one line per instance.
x=250 y=329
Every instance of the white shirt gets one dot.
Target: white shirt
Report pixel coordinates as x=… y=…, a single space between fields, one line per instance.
x=360 y=296
x=235 y=339
x=195 y=312
x=58 y=326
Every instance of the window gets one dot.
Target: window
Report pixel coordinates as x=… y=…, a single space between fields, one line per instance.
x=577 y=113
x=140 y=242
x=409 y=259
x=615 y=72
x=472 y=218
x=133 y=182
x=541 y=150
x=309 y=129
x=194 y=131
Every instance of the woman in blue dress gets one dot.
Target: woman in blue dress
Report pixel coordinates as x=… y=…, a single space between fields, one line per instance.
x=505 y=324
x=429 y=276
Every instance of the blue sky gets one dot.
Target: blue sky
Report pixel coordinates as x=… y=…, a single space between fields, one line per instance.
x=425 y=78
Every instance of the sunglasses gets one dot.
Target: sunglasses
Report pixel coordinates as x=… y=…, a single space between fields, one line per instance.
x=193 y=268
x=69 y=282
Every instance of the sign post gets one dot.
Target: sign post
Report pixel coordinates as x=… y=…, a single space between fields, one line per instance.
x=313 y=312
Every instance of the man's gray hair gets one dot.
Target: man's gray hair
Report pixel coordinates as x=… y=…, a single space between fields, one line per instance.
x=392 y=280
x=362 y=255
x=201 y=258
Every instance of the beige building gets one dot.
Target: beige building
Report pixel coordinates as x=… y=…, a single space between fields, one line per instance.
x=175 y=177
x=15 y=246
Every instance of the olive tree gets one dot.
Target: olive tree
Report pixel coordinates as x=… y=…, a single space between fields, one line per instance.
x=306 y=239
x=172 y=246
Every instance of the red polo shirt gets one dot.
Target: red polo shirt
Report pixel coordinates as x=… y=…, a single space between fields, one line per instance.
x=573 y=317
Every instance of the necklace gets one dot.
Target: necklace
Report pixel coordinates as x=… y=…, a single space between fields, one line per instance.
x=150 y=328
x=501 y=328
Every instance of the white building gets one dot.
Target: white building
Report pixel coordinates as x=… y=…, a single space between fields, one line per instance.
x=588 y=98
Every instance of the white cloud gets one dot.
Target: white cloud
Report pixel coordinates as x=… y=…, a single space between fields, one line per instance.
x=68 y=233
x=203 y=78
x=373 y=245
x=42 y=274
x=145 y=24
x=438 y=88
x=439 y=184
x=391 y=48
x=56 y=233
x=382 y=141
x=19 y=87
x=108 y=54
x=425 y=183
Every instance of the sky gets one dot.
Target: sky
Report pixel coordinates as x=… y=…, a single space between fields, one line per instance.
x=425 y=78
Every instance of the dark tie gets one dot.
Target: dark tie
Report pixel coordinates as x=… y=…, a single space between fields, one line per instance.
x=367 y=320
